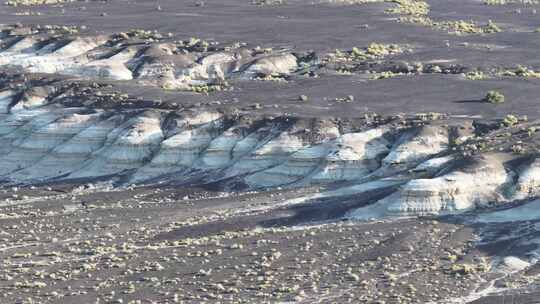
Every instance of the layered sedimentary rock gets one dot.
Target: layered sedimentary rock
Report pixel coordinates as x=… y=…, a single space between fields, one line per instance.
x=50 y=56
x=219 y=152
x=114 y=67
x=353 y=156
x=184 y=65
x=300 y=163
x=478 y=184
x=418 y=145
x=179 y=151
x=528 y=184
x=41 y=141
x=267 y=155
x=433 y=165
x=72 y=154
x=52 y=133
x=6 y=97
x=129 y=146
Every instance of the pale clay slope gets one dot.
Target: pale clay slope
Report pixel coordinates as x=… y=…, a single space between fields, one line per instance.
x=43 y=140
x=157 y=65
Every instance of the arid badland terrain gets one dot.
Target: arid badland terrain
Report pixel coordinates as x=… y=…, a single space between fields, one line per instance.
x=270 y=151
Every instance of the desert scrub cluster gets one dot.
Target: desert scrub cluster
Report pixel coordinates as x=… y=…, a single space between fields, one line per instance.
x=468 y=27
x=416 y=12
x=372 y=51
x=409 y=7
x=197 y=88
x=377 y=50
x=385 y=75
x=50 y=29
x=142 y=34
x=520 y=71
x=510 y=120
x=200 y=45
x=459 y=27
x=207 y=88
x=476 y=75
x=494 y=97
x=461 y=269
x=192 y=44
x=276 y=77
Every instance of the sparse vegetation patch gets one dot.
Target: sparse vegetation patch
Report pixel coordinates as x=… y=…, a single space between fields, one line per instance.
x=372 y=51
x=494 y=97
x=476 y=75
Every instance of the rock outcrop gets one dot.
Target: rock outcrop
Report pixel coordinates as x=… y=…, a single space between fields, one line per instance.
x=185 y=65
